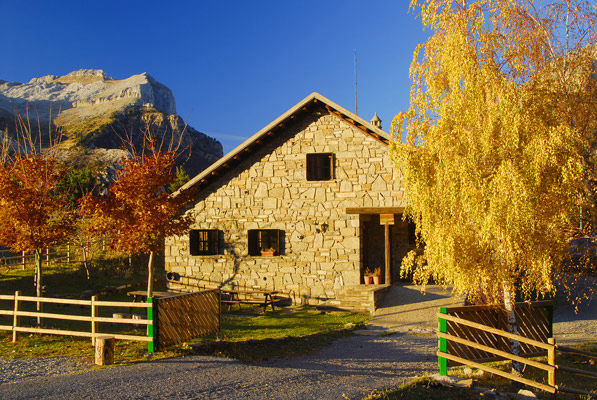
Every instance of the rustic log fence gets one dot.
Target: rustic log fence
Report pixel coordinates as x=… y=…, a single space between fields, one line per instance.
x=468 y=342
x=170 y=320
x=535 y=320
x=92 y=318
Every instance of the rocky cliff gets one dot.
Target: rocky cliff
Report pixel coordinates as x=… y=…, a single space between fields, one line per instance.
x=94 y=111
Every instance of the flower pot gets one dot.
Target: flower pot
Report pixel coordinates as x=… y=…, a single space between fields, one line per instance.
x=267 y=253
x=368 y=280
x=377 y=280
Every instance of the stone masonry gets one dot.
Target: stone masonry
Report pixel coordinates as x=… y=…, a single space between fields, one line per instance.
x=269 y=190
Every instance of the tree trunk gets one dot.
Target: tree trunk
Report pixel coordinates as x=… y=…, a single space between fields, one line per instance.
x=38 y=283
x=85 y=262
x=150 y=275
x=509 y=305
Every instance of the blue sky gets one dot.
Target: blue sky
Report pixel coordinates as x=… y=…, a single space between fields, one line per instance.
x=233 y=66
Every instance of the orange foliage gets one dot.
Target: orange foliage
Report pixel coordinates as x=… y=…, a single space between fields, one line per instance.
x=137 y=211
x=33 y=212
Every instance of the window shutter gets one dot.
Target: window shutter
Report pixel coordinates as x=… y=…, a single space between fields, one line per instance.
x=194 y=242
x=214 y=241
x=253 y=236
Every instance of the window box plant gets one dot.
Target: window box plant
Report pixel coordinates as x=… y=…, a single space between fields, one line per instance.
x=268 y=252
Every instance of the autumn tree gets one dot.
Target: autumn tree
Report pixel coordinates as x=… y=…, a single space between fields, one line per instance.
x=76 y=183
x=137 y=212
x=499 y=137
x=34 y=212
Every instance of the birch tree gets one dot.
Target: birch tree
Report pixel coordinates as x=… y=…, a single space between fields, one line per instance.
x=499 y=138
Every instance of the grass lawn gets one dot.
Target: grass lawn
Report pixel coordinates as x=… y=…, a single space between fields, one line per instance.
x=249 y=335
x=249 y=338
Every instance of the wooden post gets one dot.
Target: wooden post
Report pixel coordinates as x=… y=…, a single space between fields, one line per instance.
x=47 y=257
x=15 y=317
x=104 y=350
x=151 y=329
x=551 y=360
x=388 y=279
x=443 y=343
x=23 y=261
x=68 y=253
x=93 y=315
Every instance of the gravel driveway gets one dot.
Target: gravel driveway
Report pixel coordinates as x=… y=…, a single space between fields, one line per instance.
x=399 y=344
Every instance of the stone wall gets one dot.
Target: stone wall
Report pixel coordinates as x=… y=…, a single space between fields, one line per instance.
x=269 y=190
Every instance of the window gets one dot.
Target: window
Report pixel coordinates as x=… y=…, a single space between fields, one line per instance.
x=204 y=242
x=320 y=166
x=264 y=242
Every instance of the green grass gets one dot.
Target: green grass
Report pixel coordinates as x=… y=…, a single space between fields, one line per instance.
x=425 y=389
x=278 y=334
x=251 y=336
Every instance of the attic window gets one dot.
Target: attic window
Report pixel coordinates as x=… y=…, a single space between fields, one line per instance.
x=203 y=242
x=320 y=166
x=264 y=242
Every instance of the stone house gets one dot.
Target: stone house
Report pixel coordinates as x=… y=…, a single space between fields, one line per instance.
x=305 y=206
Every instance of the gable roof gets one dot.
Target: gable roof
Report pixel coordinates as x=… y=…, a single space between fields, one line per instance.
x=314 y=99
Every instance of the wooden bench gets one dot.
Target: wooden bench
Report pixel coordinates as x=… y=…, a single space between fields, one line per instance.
x=247 y=296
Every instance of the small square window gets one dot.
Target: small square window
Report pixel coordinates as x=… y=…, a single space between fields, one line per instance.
x=265 y=242
x=320 y=166
x=204 y=242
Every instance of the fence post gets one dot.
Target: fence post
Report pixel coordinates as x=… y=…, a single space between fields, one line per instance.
x=68 y=253
x=443 y=343
x=93 y=315
x=551 y=360
x=152 y=345
x=47 y=257
x=15 y=317
x=23 y=260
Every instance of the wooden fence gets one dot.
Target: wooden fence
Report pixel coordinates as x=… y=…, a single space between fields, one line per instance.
x=93 y=317
x=170 y=320
x=185 y=316
x=465 y=340
x=534 y=319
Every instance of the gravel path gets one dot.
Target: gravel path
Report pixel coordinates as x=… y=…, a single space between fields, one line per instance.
x=399 y=345
x=351 y=368
x=12 y=370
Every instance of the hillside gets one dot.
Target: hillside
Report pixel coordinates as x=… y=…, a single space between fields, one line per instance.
x=94 y=111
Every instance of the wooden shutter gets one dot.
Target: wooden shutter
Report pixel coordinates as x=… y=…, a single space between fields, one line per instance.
x=194 y=242
x=214 y=241
x=253 y=242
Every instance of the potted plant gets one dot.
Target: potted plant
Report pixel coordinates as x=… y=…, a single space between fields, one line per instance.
x=268 y=252
x=377 y=276
x=367 y=276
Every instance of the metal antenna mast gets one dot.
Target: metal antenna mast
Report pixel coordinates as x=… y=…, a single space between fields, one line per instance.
x=356 y=108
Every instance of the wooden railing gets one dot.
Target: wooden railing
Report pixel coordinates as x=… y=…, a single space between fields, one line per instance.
x=550 y=347
x=93 y=318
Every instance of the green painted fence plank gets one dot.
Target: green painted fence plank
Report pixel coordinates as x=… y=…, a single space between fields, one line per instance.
x=443 y=343
x=152 y=345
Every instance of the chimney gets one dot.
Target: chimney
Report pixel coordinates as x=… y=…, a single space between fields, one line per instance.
x=375 y=121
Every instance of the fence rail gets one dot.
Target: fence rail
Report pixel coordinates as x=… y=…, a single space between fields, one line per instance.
x=473 y=347
x=170 y=320
x=93 y=318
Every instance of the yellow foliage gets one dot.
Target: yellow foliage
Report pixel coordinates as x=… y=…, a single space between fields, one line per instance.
x=500 y=127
